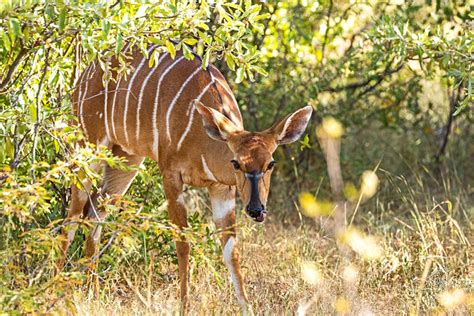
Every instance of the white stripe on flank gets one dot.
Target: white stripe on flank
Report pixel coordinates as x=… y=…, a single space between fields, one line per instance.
x=130 y=86
x=236 y=120
x=79 y=96
x=82 y=96
x=155 y=106
x=207 y=171
x=191 y=117
x=227 y=90
x=117 y=87
x=140 y=96
x=106 y=95
x=175 y=99
x=112 y=121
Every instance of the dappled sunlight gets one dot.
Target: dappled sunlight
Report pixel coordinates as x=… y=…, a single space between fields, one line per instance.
x=310 y=273
x=370 y=209
x=364 y=245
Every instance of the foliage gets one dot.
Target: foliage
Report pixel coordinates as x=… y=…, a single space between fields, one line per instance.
x=402 y=66
x=395 y=73
x=44 y=46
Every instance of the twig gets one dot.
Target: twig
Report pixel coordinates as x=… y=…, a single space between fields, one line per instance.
x=379 y=78
x=454 y=100
x=38 y=101
x=326 y=33
x=12 y=69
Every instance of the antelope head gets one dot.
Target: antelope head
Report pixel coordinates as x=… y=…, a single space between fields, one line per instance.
x=253 y=161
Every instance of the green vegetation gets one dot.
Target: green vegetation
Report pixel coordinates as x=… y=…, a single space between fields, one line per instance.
x=399 y=77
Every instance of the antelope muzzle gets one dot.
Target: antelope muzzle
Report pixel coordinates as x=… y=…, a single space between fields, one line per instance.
x=255 y=208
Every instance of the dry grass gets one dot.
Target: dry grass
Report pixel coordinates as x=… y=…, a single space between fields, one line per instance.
x=427 y=251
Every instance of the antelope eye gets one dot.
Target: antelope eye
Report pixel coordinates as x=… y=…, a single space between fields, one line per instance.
x=271 y=165
x=235 y=164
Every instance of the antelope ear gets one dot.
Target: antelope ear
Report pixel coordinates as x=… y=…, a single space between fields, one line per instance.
x=217 y=126
x=290 y=128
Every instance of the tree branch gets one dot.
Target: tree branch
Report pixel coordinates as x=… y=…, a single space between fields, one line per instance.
x=323 y=49
x=12 y=69
x=453 y=102
x=378 y=78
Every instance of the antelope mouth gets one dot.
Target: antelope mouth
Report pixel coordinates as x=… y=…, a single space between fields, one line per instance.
x=260 y=217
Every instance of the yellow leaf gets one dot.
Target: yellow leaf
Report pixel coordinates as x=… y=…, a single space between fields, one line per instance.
x=171 y=48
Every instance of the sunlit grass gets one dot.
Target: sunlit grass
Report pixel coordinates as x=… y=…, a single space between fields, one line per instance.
x=296 y=269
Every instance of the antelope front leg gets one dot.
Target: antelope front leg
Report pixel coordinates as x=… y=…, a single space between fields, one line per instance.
x=177 y=214
x=223 y=209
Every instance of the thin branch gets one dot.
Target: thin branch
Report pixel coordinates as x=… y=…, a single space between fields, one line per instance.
x=378 y=78
x=323 y=49
x=453 y=102
x=12 y=69
x=115 y=4
x=38 y=102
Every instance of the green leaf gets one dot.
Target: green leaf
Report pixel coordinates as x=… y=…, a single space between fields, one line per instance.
x=56 y=145
x=200 y=48
x=6 y=41
x=119 y=41
x=230 y=60
x=173 y=8
x=190 y=41
x=33 y=114
x=62 y=18
x=203 y=26
x=259 y=27
x=15 y=27
x=397 y=30
x=261 y=17
x=260 y=70
x=240 y=75
x=248 y=4
x=187 y=52
x=250 y=75
x=223 y=14
x=153 y=59
x=49 y=10
x=304 y=143
x=233 y=5
x=53 y=78
x=156 y=40
x=205 y=60
x=105 y=28
x=10 y=148
x=171 y=48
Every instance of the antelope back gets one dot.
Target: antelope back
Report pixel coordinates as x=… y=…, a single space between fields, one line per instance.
x=151 y=112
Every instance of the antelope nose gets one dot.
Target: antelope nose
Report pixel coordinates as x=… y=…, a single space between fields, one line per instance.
x=257 y=212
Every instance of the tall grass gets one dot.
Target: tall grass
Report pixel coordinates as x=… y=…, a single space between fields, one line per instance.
x=421 y=220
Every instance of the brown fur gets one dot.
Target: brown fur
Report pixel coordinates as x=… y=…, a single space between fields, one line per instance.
x=200 y=161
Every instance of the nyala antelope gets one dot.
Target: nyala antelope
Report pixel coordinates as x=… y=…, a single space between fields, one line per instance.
x=187 y=119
